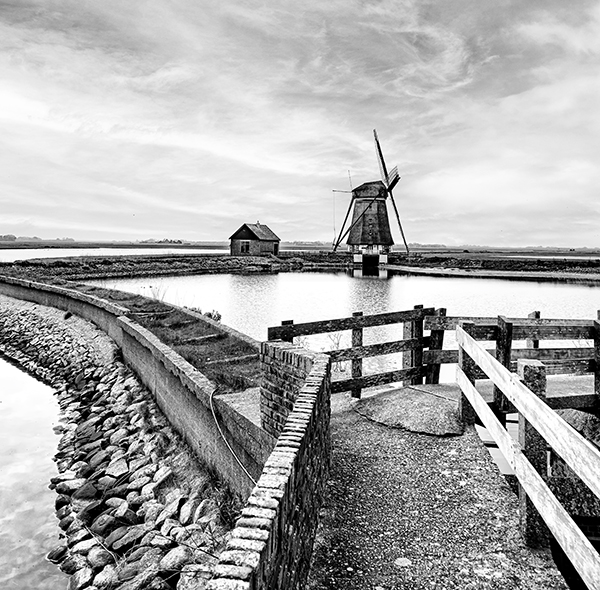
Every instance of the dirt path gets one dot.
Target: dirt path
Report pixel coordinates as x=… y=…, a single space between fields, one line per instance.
x=415 y=511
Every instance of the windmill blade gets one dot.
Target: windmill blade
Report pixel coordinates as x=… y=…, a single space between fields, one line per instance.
x=393 y=178
x=399 y=222
x=380 y=160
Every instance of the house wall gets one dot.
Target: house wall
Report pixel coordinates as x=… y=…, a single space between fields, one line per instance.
x=257 y=248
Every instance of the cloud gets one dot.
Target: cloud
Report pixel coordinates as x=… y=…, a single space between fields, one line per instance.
x=197 y=117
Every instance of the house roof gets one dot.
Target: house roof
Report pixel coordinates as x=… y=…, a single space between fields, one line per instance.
x=258 y=230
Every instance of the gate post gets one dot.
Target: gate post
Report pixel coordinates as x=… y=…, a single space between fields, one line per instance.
x=436 y=343
x=357 y=340
x=465 y=410
x=533 y=528
x=413 y=358
x=503 y=349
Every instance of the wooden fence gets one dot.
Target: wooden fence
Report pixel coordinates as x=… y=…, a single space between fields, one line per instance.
x=423 y=354
x=413 y=345
x=539 y=426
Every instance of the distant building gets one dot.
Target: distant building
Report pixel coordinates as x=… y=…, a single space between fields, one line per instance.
x=254 y=239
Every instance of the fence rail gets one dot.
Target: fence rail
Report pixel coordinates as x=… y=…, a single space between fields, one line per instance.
x=578 y=453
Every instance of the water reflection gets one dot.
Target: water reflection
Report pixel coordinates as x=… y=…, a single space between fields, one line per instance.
x=28 y=526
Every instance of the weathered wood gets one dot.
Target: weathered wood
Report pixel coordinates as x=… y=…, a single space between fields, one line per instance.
x=503 y=349
x=346 y=354
x=417 y=360
x=577 y=401
x=436 y=343
x=530 y=343
x=579 y=550
x=597 y=357
x=468 y=367
x=288 y=336
x=543 y=354
x=379 y=379
x=357 y=340
x=533 y=529
x=433 y=322
x=408 y=333
x=321 y=327
x=580 y=454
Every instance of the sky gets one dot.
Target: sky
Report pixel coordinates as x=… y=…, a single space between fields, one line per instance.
x=186 y=118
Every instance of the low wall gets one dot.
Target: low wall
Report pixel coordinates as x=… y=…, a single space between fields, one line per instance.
x=181 y=391
x=271 y=545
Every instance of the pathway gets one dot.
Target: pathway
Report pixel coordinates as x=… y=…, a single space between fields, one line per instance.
x=406 y=510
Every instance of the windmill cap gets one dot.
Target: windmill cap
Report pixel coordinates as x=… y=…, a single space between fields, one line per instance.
x=370 y=189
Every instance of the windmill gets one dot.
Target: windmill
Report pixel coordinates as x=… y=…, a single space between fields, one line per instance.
x=370 y=227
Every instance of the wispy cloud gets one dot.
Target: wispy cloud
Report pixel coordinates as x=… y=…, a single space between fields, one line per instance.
x=186 y=119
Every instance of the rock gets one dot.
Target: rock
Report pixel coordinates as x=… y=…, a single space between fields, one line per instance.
x=98 y=459
x=194 y=576
x=114 y=502
x=188 y=510
x=106 y=482
x=402 y=562
x=83 y=547
x=175 y=559
x=117 y=468
x=171 y=509
x=118 y=436
x=141 y=581
x=57 y=554
x=61 y=501
x=73 y=563
x=415 y=409
x=87 y=491
x=99 y=557
x=66 y=522
x=116 y=535
x=80 y=535
x=91 y=511
x=150 y=510
x=81 y=579
x=107 y=578
x=104 y=525
x=70 y=486
x=155 y=539
x=139 y=483
x=129 y=538
x=162 y=474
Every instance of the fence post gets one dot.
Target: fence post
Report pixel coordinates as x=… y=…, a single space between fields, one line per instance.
x=284 y=337
x=597 y=356
x=503 y=348
x=533 y=528
x=413 y=358
x=436 y=343
x=357 y=340
x=530 y=342
x=468 y=366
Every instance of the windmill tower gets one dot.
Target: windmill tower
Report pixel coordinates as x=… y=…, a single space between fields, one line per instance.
x=369 y=232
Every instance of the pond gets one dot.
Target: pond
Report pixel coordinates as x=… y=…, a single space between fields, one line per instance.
x=28 y=525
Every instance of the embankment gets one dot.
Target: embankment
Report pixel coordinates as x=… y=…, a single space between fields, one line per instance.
x=272 y=540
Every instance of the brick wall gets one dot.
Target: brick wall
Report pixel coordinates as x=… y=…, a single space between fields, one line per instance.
x=271 y=545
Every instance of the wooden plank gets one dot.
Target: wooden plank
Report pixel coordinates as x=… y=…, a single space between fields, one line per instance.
x=346 y=354
x=552 y=332
x=577 y=547
x=417 y=359
x=503 y=348
x=436 y=344
x=534 y=315
x=357 y=340
x=542 y=354
x=597 y=357
x=577 y=401
x=580 y=454
x=433 y=322
x=379 y=379
x=321 y=327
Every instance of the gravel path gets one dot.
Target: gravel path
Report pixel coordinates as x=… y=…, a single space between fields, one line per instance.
x=407 y=510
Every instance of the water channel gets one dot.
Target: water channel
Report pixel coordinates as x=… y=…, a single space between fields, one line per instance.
x=28 y=525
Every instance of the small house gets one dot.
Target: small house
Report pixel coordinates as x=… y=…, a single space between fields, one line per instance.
x=254 y=239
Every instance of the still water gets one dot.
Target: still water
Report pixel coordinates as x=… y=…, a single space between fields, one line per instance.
x=28 y=527
x=251 y=303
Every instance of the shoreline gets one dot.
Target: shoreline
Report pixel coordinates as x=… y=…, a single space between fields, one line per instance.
x=135 y=508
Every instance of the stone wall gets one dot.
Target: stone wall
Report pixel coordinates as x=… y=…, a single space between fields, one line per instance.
x=182 y=392
x=271 y=545
x=284 y=371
